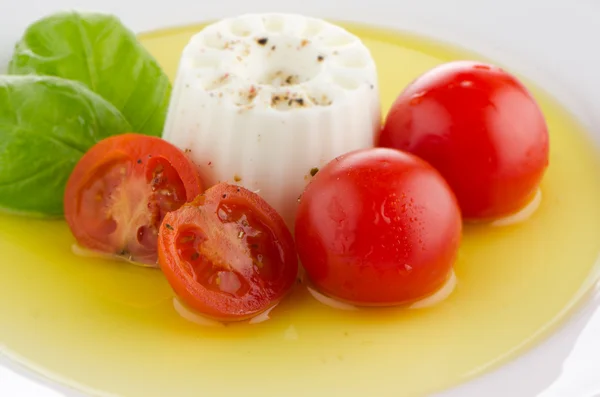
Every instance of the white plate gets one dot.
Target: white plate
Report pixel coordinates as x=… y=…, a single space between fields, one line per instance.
x=553 y=42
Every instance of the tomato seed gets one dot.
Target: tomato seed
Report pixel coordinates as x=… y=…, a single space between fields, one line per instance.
x=186 y=239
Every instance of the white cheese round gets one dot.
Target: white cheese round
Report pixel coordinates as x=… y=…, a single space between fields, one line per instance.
x=264 y=101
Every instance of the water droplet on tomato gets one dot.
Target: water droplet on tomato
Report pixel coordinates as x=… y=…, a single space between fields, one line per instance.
x=417 y=98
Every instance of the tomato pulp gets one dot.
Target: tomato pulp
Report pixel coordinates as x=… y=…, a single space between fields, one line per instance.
x=120 y=191
x=228 y=254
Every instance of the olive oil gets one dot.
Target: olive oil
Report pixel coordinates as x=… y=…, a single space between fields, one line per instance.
x=112 y=327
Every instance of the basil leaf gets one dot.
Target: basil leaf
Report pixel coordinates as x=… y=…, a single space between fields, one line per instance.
x=46 y=125
x=97 y=50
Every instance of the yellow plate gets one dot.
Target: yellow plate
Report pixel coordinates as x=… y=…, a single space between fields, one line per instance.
x=112 y=327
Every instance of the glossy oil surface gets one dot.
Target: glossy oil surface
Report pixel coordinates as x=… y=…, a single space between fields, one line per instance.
x=112 y=327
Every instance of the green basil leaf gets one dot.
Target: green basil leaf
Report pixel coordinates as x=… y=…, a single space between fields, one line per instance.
x=97 y=50
x=46 y=125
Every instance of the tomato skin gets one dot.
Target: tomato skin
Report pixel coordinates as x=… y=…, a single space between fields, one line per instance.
x=378 y=227
x=480 y=128
x=228 y=233
x=121 y=188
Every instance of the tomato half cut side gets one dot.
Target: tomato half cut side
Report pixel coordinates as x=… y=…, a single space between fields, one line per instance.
x=121 y=189
x=227 y=254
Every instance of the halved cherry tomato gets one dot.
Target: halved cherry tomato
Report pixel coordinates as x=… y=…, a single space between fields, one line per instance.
x=480 y=128
x=378 y=227
x=120 y=190
x=228 y=254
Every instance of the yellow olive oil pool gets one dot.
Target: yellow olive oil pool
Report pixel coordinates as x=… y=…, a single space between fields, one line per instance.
x=111 y=327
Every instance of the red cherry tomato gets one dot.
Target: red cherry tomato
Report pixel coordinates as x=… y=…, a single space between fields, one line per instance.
x=228 y=254
x=480 y=128
x=378 y=227
x=120 y=190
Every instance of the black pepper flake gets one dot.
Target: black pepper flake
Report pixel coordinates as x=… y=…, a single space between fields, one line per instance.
x=320 y=58
x=262 y=41
x=238 y=189
x=195 y=256
x=313 y=171
x=224 y=196
x=273 y=48
x=169 y=226
x=372 y=86
x=139 y=161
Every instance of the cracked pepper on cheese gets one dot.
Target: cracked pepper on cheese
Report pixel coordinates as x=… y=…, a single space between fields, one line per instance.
x=263 y=101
